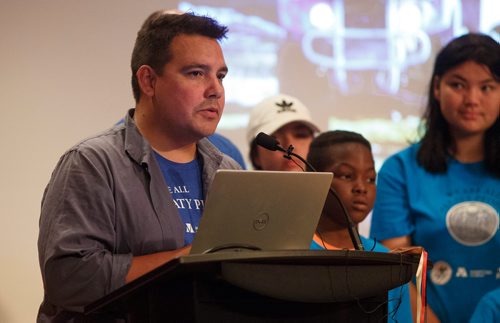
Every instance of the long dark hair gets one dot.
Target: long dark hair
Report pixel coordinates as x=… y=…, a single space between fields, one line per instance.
x=436 y=142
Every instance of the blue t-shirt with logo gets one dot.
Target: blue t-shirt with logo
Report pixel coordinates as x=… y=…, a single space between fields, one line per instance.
x=185 y=186
x=454 y=216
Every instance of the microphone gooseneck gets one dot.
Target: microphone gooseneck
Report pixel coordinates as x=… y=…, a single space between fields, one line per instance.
x=351 y=227
x=270 y=143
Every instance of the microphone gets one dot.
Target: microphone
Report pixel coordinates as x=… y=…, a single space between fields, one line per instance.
x=270 y=143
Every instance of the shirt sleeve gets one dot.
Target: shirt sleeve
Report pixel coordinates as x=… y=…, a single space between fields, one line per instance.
x=488 y=308
x=391 y=214
x=77 y=238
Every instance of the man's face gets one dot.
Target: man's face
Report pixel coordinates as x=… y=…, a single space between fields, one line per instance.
x=188 y=98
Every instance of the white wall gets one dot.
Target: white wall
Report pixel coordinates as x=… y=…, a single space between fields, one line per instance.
x=64 y=74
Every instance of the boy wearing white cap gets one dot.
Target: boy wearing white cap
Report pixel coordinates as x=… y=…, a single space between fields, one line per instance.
x=289 y=121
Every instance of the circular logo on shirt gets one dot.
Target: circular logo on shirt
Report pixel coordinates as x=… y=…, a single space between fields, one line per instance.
x=441 y=273
x=472 y=223
x=261 y=221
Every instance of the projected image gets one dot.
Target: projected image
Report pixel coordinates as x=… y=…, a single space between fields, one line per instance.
x=387 y=47
x=358 y=65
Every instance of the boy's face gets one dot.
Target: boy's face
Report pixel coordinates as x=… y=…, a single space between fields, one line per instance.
x=354 y=180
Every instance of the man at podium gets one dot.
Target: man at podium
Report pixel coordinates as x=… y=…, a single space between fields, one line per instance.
x=123 y=202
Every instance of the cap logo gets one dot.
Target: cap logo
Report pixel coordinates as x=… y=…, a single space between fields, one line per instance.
x=285 y=106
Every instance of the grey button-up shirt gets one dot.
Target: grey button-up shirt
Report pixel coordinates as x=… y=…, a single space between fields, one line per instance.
x=106 y=202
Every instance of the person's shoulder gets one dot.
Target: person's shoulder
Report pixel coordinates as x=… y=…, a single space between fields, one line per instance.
x=219 y=140
x=101 y=142
x=217 y=158
x=227 y=147
x=409 y=152
x=228 y=162
x=487 y=309
x=403 y=158
x=97 y=151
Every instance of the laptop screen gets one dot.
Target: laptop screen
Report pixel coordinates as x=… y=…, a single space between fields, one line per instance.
x=261 y=210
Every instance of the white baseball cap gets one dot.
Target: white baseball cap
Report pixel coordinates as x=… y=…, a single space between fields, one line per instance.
x=276 y=111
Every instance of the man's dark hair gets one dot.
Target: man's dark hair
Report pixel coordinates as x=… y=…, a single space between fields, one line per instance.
x=152 y=46
x=436 y=144
x=319 y=155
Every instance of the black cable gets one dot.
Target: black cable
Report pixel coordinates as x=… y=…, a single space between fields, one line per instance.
x=351 y=227
x=270 y=143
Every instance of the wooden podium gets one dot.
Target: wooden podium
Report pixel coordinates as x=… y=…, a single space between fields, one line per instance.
x=262 y=286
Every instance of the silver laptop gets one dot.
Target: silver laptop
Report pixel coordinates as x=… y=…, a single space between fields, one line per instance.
x=261 y=210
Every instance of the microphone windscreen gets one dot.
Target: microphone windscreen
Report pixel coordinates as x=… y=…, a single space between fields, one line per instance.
x=266 y=141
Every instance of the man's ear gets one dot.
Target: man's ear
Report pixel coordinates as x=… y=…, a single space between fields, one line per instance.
x=146 y=77
x=435 y=86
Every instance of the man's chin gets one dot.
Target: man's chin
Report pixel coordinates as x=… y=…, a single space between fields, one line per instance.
x=206 y=132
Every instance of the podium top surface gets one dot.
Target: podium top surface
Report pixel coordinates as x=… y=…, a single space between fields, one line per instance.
x=212 y=263
x=306 y=257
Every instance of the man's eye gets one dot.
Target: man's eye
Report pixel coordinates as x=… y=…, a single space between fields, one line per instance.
x=195 y=73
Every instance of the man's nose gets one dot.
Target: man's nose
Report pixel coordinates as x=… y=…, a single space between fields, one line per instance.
x=215 y=89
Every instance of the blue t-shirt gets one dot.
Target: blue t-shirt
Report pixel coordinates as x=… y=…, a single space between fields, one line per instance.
x=223 y=144
x=454 y=216
x=184 y=183
x=397 y=311
x=488 y=308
